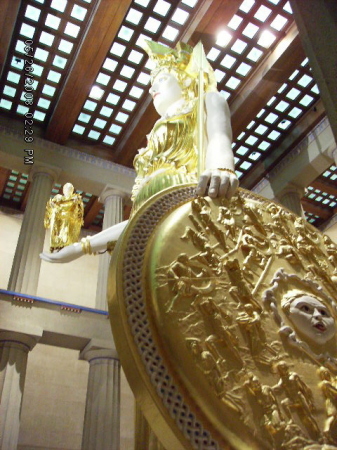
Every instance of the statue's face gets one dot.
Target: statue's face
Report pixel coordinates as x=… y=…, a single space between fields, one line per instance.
x=68 y=189
x=165 y=91
x=312 y=319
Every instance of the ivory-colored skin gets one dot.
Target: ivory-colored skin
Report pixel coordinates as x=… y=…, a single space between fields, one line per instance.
x=167 y=95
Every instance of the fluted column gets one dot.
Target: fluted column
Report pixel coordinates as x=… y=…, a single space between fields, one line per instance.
x=25 y=271
x=113 y=213
x=102 y=410
x=14 y=348
x=290 y=197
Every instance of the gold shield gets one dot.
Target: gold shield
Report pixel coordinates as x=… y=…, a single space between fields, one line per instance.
x=223 y=314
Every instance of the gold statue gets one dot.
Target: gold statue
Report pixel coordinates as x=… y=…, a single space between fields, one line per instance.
x=171 y=155
x=64 y=217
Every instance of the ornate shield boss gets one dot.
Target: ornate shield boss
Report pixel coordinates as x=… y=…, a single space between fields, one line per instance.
x=224 y=317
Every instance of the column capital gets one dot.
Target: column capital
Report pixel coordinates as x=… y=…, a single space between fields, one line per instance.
x=93 y=351
x=52 y=171
x=12 y=337
x=110 y=191
x=292 y=188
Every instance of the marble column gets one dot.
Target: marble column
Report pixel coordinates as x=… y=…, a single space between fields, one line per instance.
x=101 y=429
x=317 y=25
x=25 y=271
x=290 y=197
x=113 y=213
x=14 y=348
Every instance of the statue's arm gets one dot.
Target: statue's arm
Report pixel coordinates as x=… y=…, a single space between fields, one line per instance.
x=219 y=155
x=98 y=243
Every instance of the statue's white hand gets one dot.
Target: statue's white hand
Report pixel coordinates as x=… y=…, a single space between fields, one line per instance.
x=67 y=254
x=217 y=183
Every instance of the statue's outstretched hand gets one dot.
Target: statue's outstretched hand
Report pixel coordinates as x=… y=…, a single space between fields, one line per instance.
x=217 y=183
x=67 y=254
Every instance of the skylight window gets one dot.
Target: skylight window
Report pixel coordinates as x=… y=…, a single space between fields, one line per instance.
x=180 y=16
x=190 y=3
x=125 y=33
x=263 y=146
x=117 y=49
x=84 y=117
x=287 y=8
x=127 y=71
x=143 y=78
x=242 y=150
x=134 y=16
x=10 y=91
x=109 y=140
x=213 y=54
x=48 y=90
x=54 y=76
x=78 y=12
x=20 y=47
x=228 y=61
x=122 y=117
x=284 y=124
x=233 y=83
x=110 y=64
x=13 y=77
x=43 y=103
x=52 y=21
x=295 y=112
x=293 y=93
x=94 y=135
x=99 y=123
x=135 y=57
x=72 y=30
x=40 y=116
x=103 y=79
x=120 y=86
x=282 y=106
x=65 y=46
x=254 y=54
x=18 y=63
x=47 y=38
x=40 y=54
x=245 y=165
x=22 y=109
x=279 y=22
x=274 y=135
x=250 y=30
x=219 y=75
x=5 y=104
x=113 y=99
x=251 y=140
x=60 y=5
x=271 y=118
x=304 y=81
x=246 y=5
x=266 y=39
x=27 y=31
x=162 y=7
x=96 y=93
x=58 y=62
x=129 y=105
x=32 y=13
x=223 y=38
x=116 y=129
x=136 y=92
x=170 y=33
x=262 y=13
x=235 y=22
x=243 y=69
x=261 y=129
x=239 y=46
x=107 y=112
x=152 y=25
x=142 y=2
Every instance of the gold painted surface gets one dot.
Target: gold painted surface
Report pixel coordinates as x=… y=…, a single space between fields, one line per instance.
x=64 y=217
x=239 y=301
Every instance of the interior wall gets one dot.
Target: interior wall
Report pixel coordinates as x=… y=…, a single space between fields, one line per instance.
x=56 y=380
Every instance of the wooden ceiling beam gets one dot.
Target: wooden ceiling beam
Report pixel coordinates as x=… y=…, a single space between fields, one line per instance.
x=310 y=207
x=9 y=12
x=92 y=213
x=102 y=30
x=210 y=16
x=327 y=187
x=266 y=80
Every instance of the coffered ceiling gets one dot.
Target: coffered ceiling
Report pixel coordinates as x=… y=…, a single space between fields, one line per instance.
x=76 y=68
